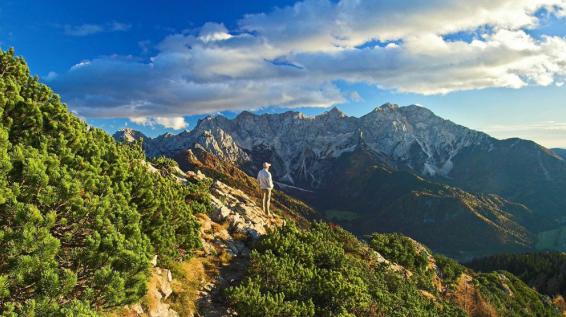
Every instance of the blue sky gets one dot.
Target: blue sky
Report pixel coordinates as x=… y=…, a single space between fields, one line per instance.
x=158 y=67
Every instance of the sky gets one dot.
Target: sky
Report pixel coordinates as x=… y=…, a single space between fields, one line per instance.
x=498 y=66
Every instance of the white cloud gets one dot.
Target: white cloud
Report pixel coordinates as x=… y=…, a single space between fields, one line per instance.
x=89 y=28
x=176 y=123
x=292 y=56
x=82 y=30
x=118 y=27
x=50 y=76
x=350 y=23
x=212 y=32
x=355 y=97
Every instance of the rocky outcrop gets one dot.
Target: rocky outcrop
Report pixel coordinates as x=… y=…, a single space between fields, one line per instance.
x=160 y=291
x=155 y=304
x=128 y=135
x=228 y=233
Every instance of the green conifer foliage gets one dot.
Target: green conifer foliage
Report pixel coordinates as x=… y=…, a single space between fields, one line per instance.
x=326 y=271
x=80 y=215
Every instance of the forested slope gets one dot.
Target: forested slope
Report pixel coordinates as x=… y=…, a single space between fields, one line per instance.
x=81 y=216
x=544 y=271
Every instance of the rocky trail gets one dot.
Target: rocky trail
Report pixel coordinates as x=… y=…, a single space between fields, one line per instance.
x=195 y=287
x=229 y=233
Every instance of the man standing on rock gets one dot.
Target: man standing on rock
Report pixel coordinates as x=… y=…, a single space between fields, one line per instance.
x=266 y=185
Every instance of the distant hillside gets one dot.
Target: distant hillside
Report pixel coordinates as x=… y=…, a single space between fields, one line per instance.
x=545 y=271
x=519 y=170
x=447 y=219
x=560 y=152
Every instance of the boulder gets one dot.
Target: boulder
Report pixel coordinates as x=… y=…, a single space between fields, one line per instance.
x=164 y=278
x=162 y=310
x=220 y=214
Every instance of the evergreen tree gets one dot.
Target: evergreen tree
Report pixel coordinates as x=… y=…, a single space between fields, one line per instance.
x=80 y=215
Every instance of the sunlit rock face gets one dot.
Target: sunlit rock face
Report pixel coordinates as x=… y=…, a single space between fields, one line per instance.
x=303 y=148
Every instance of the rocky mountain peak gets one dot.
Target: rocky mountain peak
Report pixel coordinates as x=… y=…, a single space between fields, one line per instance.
x=334 y=113
x=128 y=135
x=387 y=107
x=245 y=114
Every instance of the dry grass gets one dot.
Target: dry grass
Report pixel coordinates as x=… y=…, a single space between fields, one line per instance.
x=120 y=312
x=241 y=236
x=560 y=303
x=221 y=230
x=470 y=300
x=150 y=299
x=189 y=276
x=224 y=258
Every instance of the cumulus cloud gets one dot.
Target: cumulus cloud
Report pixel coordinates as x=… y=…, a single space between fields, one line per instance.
x=176 y=123
x=50 y=76
x=292 y=57
x=89 y=29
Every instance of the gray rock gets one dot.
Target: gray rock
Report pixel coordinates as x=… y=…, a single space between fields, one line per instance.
x=164 y=279
x=253 y=234
x=220 y=214
x=163 y=310
x=137 y=308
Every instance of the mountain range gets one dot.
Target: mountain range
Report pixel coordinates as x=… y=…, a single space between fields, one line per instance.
x=402 y=169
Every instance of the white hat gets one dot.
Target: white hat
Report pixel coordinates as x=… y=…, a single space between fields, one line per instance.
x=266 y=165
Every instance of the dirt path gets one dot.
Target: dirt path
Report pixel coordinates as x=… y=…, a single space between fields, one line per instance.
x=228 y=235
x=212 y=303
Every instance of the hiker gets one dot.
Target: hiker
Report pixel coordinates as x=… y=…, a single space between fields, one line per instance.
x=266 y=185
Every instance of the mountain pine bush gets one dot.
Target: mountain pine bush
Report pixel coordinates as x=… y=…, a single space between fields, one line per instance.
x=80 y=215
x=326 y=271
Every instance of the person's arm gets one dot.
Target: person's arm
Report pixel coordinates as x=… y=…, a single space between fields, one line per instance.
x=270 y=180
x=259 y=179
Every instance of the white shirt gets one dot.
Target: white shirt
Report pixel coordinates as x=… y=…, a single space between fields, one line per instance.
x=264 y=179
